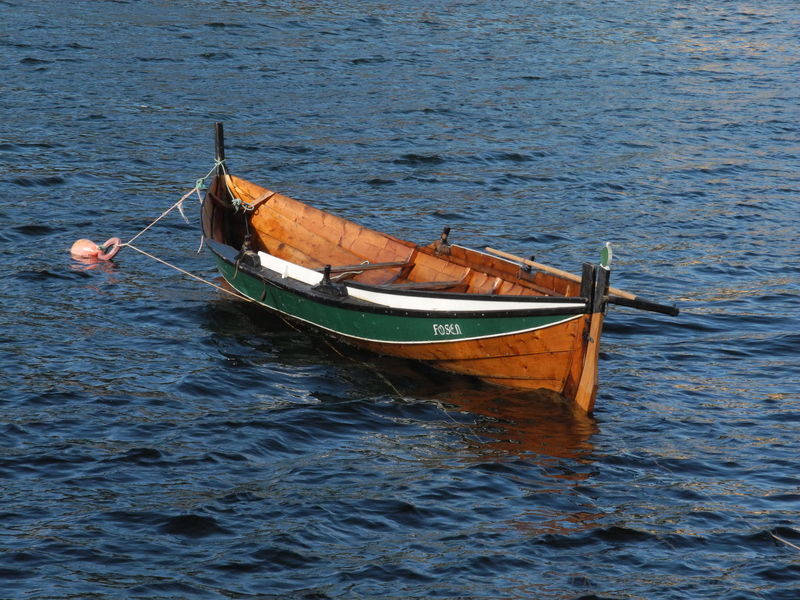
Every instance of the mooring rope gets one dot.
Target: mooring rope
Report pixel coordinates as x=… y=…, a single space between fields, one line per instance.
x=178 y=205
x=190 y=274
x=787 y=542
x=199 y=184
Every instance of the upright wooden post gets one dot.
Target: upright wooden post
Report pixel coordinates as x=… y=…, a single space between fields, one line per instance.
x=601 y=289
x=587 y=282
x=219 y=139
x=586 y=392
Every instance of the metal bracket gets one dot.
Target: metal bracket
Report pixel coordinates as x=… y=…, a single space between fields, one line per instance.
x=329 y=287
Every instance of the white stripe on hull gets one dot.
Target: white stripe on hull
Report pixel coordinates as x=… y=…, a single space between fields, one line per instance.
x=429 y=303
x=406 y=343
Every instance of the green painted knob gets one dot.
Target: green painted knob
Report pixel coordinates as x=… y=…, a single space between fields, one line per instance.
x=605 y=256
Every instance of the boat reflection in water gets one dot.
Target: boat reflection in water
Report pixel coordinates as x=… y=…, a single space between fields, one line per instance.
x=515 y=438
x=508 y=422
x=488 y=442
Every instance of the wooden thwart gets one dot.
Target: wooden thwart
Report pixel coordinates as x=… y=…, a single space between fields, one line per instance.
x=367 y=266
x=424 y=285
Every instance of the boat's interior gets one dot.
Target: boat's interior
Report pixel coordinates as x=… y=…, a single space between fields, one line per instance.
x=304 y=235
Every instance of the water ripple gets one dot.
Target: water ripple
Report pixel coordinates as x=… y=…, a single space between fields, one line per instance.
x=161 y=441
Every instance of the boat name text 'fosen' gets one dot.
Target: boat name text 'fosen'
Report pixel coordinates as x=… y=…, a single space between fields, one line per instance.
x=446 y=329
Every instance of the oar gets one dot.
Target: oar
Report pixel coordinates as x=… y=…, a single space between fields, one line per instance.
x=642 y=304
x=616 y=296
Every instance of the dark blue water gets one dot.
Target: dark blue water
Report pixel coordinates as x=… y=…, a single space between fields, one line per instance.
x=161 y=440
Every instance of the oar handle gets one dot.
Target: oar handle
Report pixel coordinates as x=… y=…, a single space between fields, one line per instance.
x=616 y=295
x=643 y=304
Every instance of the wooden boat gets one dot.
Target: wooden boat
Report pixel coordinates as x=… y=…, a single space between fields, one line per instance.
x=506 y=320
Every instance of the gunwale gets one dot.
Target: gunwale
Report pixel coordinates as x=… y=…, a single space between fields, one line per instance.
x=530 y=318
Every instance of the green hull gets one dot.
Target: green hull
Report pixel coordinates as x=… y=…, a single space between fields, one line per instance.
x=361 y=322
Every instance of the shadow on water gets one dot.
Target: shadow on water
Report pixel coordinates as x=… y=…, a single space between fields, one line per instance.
x=463 y=443
x=512 y=422
x=505 y=421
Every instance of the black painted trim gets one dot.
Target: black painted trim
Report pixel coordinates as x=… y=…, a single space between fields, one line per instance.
x=230 y=254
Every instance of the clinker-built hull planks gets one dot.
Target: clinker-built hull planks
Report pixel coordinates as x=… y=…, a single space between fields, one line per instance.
x=457 y=309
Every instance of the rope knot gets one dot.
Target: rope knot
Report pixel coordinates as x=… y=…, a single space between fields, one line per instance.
x=237 y=204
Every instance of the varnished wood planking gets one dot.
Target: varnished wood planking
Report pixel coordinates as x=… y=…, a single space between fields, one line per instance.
x=561 y=358
x=543 y=359
x=585 y=392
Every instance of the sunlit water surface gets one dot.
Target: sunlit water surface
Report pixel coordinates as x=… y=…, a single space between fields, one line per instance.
x=159 y=439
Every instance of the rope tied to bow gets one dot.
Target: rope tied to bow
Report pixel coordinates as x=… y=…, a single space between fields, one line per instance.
x=200 y=184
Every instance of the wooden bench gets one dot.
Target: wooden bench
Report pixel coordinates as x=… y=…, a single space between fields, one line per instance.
x=365 y=267
x=424 y=285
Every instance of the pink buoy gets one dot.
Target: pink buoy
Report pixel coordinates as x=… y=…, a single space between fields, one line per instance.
x=84 y=248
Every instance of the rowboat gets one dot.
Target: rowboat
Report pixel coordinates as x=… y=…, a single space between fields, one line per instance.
x=504 y=319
